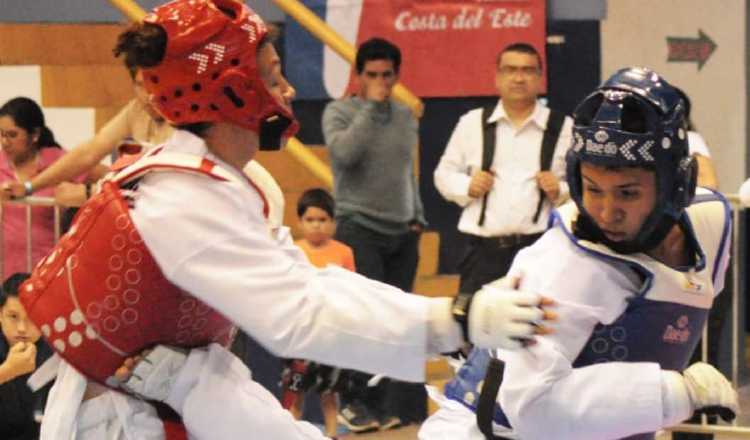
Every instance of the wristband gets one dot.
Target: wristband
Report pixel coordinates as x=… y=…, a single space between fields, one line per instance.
x=28 y=188
x=460 y=312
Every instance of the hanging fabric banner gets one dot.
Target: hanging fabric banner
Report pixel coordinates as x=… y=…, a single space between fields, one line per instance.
x=448 y=46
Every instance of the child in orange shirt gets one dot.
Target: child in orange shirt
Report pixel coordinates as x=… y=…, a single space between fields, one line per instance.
x=315 y=211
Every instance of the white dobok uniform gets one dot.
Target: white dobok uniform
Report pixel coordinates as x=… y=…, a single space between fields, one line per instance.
x=623 y=321
x=211 y=239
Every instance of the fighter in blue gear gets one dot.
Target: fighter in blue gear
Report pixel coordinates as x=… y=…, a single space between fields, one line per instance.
x=634 y=265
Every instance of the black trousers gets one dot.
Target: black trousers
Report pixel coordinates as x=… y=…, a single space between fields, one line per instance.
x=487 y=259
x=391 y=259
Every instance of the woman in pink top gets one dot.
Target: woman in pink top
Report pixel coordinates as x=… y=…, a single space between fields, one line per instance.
x=28 y=147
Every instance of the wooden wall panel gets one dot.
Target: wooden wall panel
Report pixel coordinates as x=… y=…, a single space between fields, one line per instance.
x=429 y=246
x=97 y=85
x=58 y=44
x=437 y=285
x=103 y=114
x=290 y=174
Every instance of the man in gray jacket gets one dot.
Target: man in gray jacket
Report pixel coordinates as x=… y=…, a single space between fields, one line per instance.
x=371 y=141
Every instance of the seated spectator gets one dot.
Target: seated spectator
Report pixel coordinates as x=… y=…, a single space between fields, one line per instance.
x=28 y=147
x=21 y=351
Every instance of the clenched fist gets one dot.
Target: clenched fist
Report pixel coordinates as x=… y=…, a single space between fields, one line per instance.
x=481 y=183
x=21 y=359
x=549 y=184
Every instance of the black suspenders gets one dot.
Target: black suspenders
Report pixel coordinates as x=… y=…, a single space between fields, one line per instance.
x=488 y=150
x=549 y=141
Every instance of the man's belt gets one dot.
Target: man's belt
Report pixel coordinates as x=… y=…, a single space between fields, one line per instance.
x=511 y=240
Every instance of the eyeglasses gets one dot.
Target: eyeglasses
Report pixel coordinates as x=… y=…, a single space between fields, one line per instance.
x=526 y=71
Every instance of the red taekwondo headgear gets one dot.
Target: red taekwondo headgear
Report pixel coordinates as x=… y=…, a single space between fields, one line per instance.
x=210 y=72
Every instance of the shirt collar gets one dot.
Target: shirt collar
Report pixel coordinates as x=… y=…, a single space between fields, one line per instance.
x=538 y=117
x=183 y=141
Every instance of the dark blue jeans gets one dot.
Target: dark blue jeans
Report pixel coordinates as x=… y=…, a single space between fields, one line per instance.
x=391 y=259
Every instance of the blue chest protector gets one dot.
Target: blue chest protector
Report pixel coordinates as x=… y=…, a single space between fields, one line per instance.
x=652 y=328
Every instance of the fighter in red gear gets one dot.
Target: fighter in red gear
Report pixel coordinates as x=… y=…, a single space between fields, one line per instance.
x=212 y=73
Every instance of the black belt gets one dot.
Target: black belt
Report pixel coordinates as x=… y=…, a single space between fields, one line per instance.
x=488 y=398
x=507 y=241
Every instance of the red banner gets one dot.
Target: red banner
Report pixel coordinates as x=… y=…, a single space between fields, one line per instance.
x=449 y=47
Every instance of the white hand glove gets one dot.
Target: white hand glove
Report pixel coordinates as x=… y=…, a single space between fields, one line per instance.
x=155 y=374
x=502 y=317
x=710 y=390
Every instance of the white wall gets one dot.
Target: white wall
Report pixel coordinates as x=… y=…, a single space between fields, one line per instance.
x=635 y=33
x=70 y=125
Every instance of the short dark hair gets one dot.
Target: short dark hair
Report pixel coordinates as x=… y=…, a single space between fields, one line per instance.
x=378 y=49
x=11 y=285
x=522 y=48
x=316 y=198
x=141 y=45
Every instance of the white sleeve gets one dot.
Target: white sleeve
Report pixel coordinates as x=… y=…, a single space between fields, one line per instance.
x=212 y=376
x=541 y=391
x=697 y=145
x=210 y=239
x=452 y=175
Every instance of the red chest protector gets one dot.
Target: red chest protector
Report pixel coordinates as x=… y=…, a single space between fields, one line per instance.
x=100 y=297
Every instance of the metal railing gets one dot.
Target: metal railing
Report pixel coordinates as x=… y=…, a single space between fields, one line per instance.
x=27 y=203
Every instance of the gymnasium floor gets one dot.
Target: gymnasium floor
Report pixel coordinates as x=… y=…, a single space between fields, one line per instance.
x=410 y=432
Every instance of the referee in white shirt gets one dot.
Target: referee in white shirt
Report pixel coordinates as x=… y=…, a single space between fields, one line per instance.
x=506 y=193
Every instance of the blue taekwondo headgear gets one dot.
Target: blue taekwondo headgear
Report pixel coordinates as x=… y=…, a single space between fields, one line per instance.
x=635 y=119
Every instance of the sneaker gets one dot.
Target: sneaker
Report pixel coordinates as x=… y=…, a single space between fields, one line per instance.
x=357 y=418
x=389 y=422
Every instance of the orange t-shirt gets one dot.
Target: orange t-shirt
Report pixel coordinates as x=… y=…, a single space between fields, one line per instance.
x=333 y=252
